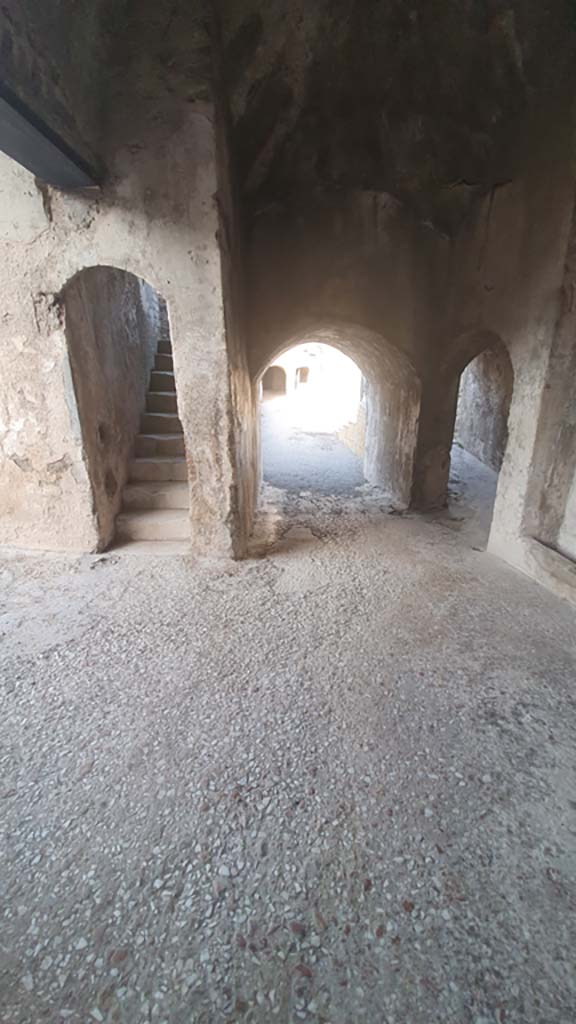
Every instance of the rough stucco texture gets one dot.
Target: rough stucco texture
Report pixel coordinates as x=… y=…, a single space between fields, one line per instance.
x=483 y=406
x=112 y=329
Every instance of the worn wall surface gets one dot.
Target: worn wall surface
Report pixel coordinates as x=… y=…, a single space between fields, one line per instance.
x=354 y=256
x=511 y=281
x=358 y=271
x=483 y=406
x=567 y=533
x=112 y=329
x=157 y=217
x=45 y=495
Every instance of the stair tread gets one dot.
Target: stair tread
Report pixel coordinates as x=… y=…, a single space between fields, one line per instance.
x=159 y=458
x=158 y=485
x=154 y=513
x=160 y=437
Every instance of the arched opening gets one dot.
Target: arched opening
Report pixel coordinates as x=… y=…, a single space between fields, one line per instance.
x=481 y=434
x=360 y=398
x=307 y=428
x=119 y=345
x=274 y=381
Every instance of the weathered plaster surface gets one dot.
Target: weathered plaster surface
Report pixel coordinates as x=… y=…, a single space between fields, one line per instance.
x=157 y=219
x=510 y=276
x=483 y=406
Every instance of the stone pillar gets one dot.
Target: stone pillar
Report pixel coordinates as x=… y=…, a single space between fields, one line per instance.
x=435 y=434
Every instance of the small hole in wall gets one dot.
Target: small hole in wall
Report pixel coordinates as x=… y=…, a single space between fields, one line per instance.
x=102 y=432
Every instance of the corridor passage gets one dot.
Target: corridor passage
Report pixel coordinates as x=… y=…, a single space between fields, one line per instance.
x=331 y=784
x=301 y=453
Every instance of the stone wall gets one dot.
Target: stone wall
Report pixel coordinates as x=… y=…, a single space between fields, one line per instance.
x=112 y=329
x=157 y=216
x=483 y=406
x=353 y=434
x=357 y=271
x=512 y=280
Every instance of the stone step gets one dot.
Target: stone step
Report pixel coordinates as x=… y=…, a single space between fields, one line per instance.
x=158 y=524
x=151 y=494
x=160 y=423
x=164 y=362
x=159 y=468
x=165 y=346
x=159 y=444
x=162 y=380
x=161 y=401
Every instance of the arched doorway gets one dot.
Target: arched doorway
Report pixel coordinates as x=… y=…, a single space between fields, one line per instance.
x=308 y=427
x=118 y=337
x=274 y=381
x=481 y=434
x=384 y=432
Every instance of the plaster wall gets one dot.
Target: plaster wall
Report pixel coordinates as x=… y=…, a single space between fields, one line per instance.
x=112 y=327
x=352 y=256
x=353 y=433
x=567 y=532
x=483 y=405
x=157 y=217
x=355 y=270
x=509 y=281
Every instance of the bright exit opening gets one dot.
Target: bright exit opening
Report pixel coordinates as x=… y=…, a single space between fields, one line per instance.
x=313 y=401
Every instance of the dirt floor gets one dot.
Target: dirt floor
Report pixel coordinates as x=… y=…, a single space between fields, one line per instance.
x=332 y=783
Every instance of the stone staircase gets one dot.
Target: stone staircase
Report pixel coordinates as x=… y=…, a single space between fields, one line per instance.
x=155 y=500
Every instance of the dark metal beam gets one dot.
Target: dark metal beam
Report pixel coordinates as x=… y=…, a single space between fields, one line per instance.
x=32 y=143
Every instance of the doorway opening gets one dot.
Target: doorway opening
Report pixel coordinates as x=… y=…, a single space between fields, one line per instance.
x=481 y=436
x=313 y=420
x=118 y=337
x=274 y=381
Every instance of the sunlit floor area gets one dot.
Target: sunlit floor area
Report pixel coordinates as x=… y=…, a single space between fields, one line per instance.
x=303 y=454
x=301 y=450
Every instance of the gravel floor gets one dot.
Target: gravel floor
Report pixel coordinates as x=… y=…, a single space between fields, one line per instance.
x=332 y=784
x=295 y=458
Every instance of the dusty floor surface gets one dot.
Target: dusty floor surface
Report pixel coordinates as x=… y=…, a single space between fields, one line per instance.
x=295 y=458
x=332 y=784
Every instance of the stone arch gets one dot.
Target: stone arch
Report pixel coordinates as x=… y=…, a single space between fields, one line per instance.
x=274 y=380
x=393 y=398
x=438 y=414
x=484 y=399
x=112 y=324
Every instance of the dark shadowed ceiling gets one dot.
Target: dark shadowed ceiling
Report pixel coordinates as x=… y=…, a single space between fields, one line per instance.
x=420 y=99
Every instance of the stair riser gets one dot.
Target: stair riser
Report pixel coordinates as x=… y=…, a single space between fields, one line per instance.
x=148 y=447
x=150 y=496
x=164 y=347
x=156 y=402
x=164 y=363
x=151 y=470
x=159 y=528
x=159 y=424
x=161 y=381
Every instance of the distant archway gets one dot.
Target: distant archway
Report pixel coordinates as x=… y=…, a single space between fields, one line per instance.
x=481 y=426
x=392 y=395
x=274 y=381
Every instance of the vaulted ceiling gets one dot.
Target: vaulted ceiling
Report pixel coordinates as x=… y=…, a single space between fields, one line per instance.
x=419 y=98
